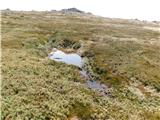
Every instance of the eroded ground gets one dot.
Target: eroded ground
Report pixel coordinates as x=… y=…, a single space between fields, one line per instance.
x=122 y=54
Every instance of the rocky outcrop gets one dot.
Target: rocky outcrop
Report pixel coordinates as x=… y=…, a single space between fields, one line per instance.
x=71 y=10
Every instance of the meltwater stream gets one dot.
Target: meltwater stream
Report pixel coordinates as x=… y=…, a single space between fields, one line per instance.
x=75 y=59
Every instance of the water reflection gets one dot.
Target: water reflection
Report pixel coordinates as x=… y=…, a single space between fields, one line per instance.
x=70 y=58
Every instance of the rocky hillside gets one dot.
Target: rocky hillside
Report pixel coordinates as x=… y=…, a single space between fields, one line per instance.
x=122 y=54
x=75 y=10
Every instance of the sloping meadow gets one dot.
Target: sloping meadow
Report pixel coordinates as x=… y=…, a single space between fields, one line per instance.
x=121 y=53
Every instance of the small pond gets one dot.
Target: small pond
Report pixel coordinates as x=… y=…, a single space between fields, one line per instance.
x=68 y=58
x=75 y=59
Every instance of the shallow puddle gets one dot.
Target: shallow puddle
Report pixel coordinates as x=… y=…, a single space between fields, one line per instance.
x=97 y=86
x=68 y=58
x=75 y=59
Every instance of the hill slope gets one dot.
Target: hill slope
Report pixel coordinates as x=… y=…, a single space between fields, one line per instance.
x=122 y=54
